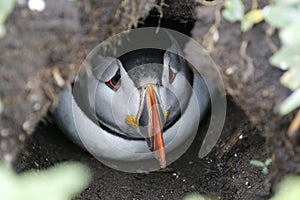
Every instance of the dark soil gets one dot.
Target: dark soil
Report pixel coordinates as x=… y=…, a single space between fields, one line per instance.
x=251 y=80
x=231 y=177
x=41 y=45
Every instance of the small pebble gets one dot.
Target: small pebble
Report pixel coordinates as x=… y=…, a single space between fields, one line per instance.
x=26 y=125
x=36 y=5
x=241 y=137
x=30 y=84
x=4 y=133
x=229 y=71
x=176 y=175
x=36 y=106
x=22 y=137
x=208 y=160
x=8 y=158
x=36 y=164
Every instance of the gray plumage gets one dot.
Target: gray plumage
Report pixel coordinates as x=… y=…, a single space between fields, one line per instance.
x=105 y=133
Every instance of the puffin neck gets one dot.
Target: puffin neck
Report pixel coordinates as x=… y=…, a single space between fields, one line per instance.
x=117 y=133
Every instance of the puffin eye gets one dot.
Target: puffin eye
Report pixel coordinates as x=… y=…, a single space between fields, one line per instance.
x=114 y=83
x=172 y=75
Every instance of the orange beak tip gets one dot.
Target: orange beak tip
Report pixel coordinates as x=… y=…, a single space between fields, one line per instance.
x=156 y=129
x=161 y=158
x=163 y=164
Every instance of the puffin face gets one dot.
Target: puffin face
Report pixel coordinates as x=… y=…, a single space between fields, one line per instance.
x=143 y=93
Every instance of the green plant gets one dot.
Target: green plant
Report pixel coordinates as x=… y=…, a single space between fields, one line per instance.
x=6 y=7
x=196 y=197
x=283 y=15
x=61 y=182
x=289 y=189
x=235 y=12
x=263 y=165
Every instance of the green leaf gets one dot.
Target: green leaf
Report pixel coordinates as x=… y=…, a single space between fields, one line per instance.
x=7 y=184
x=286 y=2
x=289 y=189
x=251 y=18
x=290 y=103
x=196 y=197
x=234 y=10
x=281 y=16
x=285 y=58
x=265 y=170
x=290 y=35
x=246 y=25
x=61 y=182
x=291 y=79
x=6 y=7
x=257 y=163
x=268 y=161
x=255 y=16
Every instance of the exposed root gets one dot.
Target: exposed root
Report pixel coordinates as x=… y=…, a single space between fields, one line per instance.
x=57 y=77
x=212 y=35
x=250 y=66
x=269 y=32
x=254 y=5
x=294 y=129
x=161 y=14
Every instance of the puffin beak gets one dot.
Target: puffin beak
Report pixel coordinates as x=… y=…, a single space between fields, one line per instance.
x=154 y=116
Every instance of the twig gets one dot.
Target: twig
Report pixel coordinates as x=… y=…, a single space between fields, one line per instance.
x=225 y=148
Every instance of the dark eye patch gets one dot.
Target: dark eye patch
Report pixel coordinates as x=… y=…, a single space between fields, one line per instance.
x=114 y=83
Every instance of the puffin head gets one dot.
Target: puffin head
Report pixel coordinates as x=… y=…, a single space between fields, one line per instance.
x=143 y=93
